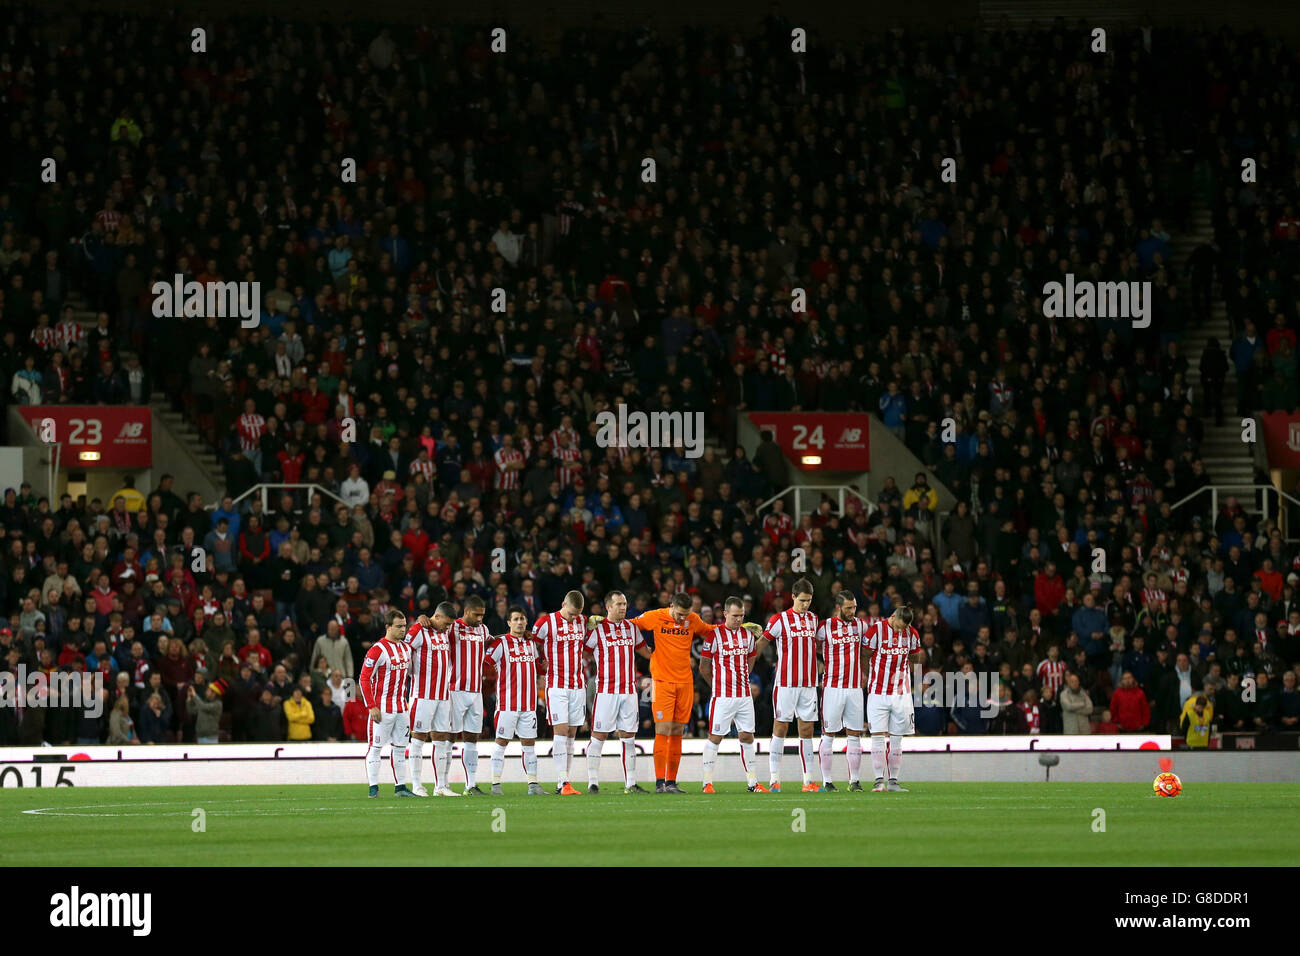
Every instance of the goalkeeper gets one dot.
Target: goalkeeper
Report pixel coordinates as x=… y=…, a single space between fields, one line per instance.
x=673 y=629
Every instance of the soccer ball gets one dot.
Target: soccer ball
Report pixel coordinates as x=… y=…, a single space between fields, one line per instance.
x=1167 y=785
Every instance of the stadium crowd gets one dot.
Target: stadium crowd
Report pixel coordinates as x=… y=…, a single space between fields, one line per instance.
x=474 y=428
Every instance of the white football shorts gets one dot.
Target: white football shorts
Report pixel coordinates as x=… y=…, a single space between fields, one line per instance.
x=615 y=712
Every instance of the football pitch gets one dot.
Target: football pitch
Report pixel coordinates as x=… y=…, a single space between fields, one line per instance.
x=1050 y=824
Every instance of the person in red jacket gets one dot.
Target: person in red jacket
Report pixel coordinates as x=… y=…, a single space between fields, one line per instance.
x=314 y=403
x=1129 y=707
x=1049 y=590
x=355 y=718
x=1270 y=580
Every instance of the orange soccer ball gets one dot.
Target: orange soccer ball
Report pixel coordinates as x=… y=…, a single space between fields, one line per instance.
x=1167 y=785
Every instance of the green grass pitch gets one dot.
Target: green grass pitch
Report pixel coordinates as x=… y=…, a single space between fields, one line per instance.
x=936 y=823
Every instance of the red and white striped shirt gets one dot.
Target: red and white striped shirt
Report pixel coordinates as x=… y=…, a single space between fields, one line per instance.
x=1151 y=595
x=561 y=642
x=841 y=643
x=516 y=662
x=430 y=662
x=44 y=338
x=504 y=479
x=558 y=433
x=568 y=468
x=467 y=646
x=729 y=649
x=68 y=335
x=794 y=635
x=1052 y=673
x=891 y=653
x=383 y=676
x=615 y=645
x=251 y=429
x=419 y=467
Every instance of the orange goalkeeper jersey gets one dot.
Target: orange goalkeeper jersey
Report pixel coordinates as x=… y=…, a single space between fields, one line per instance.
x=671 y=660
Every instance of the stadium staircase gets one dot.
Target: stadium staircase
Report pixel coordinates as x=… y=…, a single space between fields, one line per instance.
x=1229 y=461
x=183 y=433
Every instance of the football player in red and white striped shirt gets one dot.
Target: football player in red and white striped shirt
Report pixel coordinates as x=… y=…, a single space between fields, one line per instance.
x=383 y=688
x=794 y=693
x=562 y=634
x=469 y=639
x=509 y=465
x=515 y=656
x=615 y=642
x=725 y=659
x=841 y=638
x=430 y=644
x=890 y=713
x=1051 y=670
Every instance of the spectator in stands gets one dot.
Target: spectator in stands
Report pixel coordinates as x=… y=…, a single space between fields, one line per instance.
x=1129 y=706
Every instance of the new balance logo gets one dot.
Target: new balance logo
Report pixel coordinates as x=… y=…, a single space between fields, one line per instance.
x=131 y=430
x=851 y=435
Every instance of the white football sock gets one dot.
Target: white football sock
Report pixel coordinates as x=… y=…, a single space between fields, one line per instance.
x=895 y=755
x=774 y=758
x=441 y=763
x=569 y=748
x=372 y=765
x=747 y=761
x=825 y=752
x=498 y=763
x=557 y=755
x=629 y=761
x=469 y=762
x=878 y=744
x=530 y=763
x=415 y=765
x=710 y=758
x=855 y=759
x=806 y=758
x=594 y=748
x=401 y=769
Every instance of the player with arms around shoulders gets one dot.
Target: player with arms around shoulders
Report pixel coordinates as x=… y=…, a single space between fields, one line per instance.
x=725 y=659
x=794 y=692
x=841 y=638
x=383 y=688
x=515 y=656
x=429 y=640
x=675 y=629
x=615 y=642
x=561 y=635
x=469 y=639
x=890 y=712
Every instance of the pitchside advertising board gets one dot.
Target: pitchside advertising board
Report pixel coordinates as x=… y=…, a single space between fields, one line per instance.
x=197 y=765
x=834 y=441
x=95 y=436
